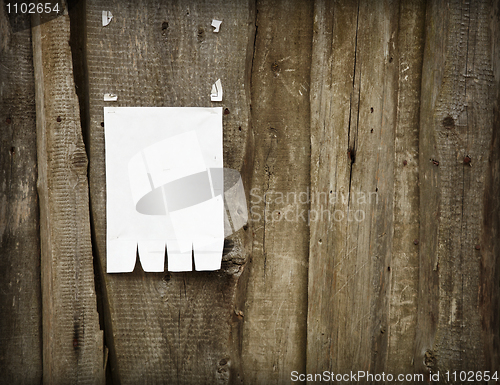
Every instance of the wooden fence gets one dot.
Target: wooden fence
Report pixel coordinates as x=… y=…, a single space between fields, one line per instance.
x=367 y=136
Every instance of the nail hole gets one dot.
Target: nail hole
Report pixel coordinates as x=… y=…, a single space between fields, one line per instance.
x=405 y=162
x=226 y=111
x=390 y=60
x=448 y=123
x=371 y=110
x=58 y=119
x=371 y=130
x=12 y=150
x=8 y=121
x=102 y=124
x=164 y=26
x=388 y=268
x=239 y=128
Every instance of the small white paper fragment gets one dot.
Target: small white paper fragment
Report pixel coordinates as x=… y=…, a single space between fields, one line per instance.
x=216 y=24
x=216 y=94
x=164 y=188
x=106 y=18
x=110 y=97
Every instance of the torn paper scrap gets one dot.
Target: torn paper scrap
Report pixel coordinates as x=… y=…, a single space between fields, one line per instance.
x=216 y=24
x=106 y=18
x=164 y=188
x=110 y=97
x=216 y=94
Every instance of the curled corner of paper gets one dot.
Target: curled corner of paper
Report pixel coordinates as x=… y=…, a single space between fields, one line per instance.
x=110 y=97
x=106 y=18
x=216 y=94
x=216 y=24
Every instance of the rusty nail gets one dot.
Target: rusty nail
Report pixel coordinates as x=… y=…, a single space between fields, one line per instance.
x=58 y=119
x=8 y=121
x=405 y=162
x=467 y=159
x=478 y=247
x=434 y=162
x=226 y=111
x=415 y=242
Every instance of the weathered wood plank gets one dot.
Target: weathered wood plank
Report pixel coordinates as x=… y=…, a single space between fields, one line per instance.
x=172 y=327
x=274 y=332
x=458 y=320
x=72 y=340
x=404 y=265
x=20 y=291
x=365 y=89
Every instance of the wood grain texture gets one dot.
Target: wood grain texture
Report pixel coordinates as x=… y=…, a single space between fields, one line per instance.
x=458 y=297
x=72 y=340
x=404 y=265
x=172 y=327
x=363 y=264
x=20 y=290
x=274 y=332
x=372 y=244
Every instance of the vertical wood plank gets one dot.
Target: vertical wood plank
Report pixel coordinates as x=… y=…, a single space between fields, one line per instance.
x=274 y=332
x=458 y=298
x=171 y=327
x=72 y=340
x=404 y=266
x=20 y=291
x=365 y=88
